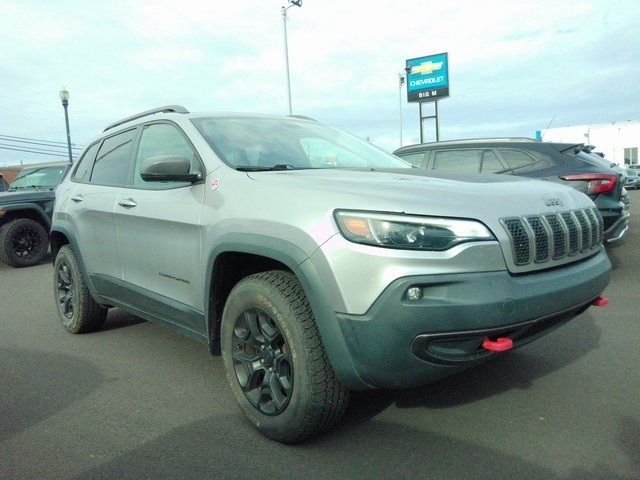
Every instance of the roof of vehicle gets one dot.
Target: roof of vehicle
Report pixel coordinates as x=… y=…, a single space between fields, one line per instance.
x=171 y=111
x=486 y=141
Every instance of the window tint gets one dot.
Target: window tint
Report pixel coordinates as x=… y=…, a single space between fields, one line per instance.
x=463 y=161
x=490 y=162
x=162 y=139
x=83 y=171
x=112 y=163
x=516 y=158
x=413 y=158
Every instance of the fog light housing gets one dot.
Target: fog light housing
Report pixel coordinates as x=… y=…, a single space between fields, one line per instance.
x=414 y=293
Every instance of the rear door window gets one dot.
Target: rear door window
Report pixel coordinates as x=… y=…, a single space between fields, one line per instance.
x=490 y=162
x=461 y=161
x=112 y=163
x=413 y=158
x=83 y=170
x=519 y=162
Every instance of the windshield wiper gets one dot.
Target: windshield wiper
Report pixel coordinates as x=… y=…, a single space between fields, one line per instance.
x=259 y=168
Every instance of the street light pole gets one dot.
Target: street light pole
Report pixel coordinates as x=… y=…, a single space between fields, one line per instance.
x=297 y=3
x=400 y=83
x=64 y=96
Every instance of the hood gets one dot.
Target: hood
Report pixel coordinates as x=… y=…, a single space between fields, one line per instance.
x=25 y=196
x=416 y=191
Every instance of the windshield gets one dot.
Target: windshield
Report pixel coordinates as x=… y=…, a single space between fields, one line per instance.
x=264 y=143
x=38 y=178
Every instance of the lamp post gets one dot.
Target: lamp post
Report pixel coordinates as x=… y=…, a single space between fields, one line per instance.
x=297 y=3
x=400 y=84
x=64 y=96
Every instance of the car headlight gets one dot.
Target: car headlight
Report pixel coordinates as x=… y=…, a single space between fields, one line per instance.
x=409 y=232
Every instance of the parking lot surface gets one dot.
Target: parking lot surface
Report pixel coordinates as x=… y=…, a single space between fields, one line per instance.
x=139 y=401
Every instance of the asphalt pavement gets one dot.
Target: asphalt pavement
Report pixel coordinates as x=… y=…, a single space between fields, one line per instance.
x=139 y=401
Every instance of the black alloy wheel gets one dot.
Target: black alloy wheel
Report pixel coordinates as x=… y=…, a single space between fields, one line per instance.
x=262 y=361
x=66 y=290
x=77 y=310
x=23 y=242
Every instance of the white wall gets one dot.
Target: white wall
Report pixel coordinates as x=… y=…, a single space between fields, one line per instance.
x=610 y=138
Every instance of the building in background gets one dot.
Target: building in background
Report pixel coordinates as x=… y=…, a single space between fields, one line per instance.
x=8 y=175
x=619 y=141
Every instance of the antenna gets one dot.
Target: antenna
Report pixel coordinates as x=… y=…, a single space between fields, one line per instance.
x=545 y=130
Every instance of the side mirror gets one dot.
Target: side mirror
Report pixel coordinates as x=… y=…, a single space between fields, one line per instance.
x=168 y=168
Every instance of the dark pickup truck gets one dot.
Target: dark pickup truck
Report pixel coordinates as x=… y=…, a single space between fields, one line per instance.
x=25 y=214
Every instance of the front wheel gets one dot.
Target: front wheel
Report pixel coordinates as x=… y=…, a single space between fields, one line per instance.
x=77 y=310
x=275 y=361
x=23 y=243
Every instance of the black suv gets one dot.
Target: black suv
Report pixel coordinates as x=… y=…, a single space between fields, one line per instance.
x=564 y=163
x=25 y=214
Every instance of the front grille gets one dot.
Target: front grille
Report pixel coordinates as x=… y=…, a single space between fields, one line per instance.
x=540 y=238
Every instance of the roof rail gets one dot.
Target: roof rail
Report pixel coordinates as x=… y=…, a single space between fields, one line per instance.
x=166 y=108
x=304 y=117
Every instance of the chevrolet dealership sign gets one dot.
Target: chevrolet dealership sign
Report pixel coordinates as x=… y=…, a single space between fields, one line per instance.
x=428 y=78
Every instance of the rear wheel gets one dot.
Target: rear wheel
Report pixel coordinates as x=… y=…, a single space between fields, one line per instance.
x=77 y=310
x=275 y=361
x=23 y=242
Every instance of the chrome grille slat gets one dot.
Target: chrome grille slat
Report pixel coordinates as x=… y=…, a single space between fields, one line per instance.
x=572 y=227
x=585 y=233
x=559 y=236
x=553 y=236
x=540 y=239
x=594 y=227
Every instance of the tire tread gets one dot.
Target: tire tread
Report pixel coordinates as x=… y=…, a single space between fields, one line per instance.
x=329 y=398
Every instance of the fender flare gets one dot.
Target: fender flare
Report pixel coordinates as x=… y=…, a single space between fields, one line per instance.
x=33 y=207
x=64 y=227
x=298 y=262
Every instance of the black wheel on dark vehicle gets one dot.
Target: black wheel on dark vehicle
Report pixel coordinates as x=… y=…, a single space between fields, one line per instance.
x=77 y=310
x=275 y=361
x=23 y=243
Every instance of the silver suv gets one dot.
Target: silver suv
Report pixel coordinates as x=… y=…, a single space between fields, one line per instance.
x=312 y=261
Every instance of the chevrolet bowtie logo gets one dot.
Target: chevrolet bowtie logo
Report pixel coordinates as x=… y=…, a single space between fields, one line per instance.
x=426 y=68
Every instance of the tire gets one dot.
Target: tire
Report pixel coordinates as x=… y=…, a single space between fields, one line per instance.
x=79 y=313
x=23 y=243
x=315 y=400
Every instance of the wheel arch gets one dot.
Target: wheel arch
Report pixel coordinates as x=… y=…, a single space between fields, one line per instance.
x=62 y=234
x=32 y=211
x=276 y=253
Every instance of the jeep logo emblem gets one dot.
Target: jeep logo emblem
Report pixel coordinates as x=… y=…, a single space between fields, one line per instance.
x=552 y=202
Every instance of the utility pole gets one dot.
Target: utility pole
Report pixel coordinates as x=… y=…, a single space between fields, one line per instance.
x=297 y=3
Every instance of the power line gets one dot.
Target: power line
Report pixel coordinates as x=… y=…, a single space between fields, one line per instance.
x=19 y=142
x=34 y=152
x=33 y=149
x=64 y=144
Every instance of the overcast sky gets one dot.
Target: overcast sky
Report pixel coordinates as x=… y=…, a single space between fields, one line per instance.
x=513 y=65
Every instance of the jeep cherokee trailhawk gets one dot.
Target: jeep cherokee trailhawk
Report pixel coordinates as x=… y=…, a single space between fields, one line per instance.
x=312 y=261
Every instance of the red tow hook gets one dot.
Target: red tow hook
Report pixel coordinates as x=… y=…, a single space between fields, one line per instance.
x=600 y=302
x=501 y=344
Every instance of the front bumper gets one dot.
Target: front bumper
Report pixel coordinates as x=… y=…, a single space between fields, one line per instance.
x=400 y=343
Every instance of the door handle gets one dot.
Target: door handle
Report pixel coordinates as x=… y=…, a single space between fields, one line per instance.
x=77 y=198
x=127 y=203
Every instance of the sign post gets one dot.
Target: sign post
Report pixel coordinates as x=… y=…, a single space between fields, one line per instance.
x=428 y=81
